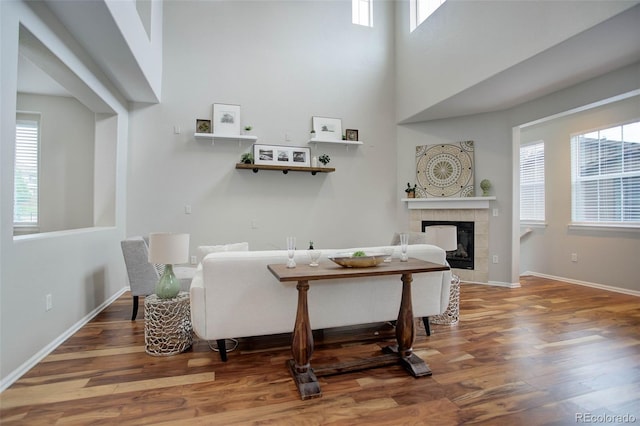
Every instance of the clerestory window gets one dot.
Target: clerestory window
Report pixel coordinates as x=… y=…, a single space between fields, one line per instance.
x=420 y=10
x=362 y=12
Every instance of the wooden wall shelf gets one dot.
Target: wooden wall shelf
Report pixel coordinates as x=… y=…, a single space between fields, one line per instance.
x=284 y=169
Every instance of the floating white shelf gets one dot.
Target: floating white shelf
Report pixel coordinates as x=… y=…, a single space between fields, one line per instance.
x=336 y=141
x=448 y=203
x=214 y=137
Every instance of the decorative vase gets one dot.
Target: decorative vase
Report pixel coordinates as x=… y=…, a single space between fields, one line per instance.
x=169 y=286
x=314 y=161
x=411 y=194
x=485 y=185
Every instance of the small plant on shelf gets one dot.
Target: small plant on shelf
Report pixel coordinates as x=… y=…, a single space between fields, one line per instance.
x=247 y=158
x=411 y=190
x=324 y=159
x=248 y=128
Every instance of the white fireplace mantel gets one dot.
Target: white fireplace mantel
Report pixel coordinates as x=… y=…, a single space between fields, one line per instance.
x=448 y=203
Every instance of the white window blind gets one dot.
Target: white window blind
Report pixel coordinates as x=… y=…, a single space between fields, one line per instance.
x=362 y=12
x=25 y=204
x=606 y=176
x=532 y=182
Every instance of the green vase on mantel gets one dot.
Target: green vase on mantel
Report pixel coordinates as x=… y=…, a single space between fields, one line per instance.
x=169 y=286
x=485 y=185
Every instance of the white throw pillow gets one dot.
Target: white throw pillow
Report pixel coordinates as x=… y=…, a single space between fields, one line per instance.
x=205 y=250
x=414 y=238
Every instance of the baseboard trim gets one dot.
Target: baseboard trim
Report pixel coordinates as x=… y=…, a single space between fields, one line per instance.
x=493 y=283
x=586 y=283
x=39 y=356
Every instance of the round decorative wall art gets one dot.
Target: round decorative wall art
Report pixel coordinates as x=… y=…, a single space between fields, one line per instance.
x=445 y=170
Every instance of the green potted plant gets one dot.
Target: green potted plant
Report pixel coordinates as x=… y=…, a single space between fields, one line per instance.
x=324 y=159
x=247 y=158
x=411 y=190
x=247 y=129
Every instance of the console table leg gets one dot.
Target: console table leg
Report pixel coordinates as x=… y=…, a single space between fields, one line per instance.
x=302 y=348
x=405 y=333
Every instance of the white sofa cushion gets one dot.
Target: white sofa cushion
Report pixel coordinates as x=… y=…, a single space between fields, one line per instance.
x=414 y=238
x=205 y=250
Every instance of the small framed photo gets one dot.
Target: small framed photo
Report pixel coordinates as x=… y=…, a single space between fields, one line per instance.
x=327 y=128
x=226 y=119
x=203 y=126
x=280 y=155
x=351 y=135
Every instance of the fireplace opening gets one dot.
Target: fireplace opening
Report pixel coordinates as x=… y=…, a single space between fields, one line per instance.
x=462 y=257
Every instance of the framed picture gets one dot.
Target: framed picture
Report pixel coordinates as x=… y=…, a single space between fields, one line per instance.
x=203 y=126
x=327 y=128
x=351 y=135
x=280 y=155
x=226 y=119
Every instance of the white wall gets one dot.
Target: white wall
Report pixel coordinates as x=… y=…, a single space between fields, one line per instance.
x=493 y=158
x=449 y=53
x=465 y=42
x=607 y=257
x=283 y=62
x=491 y=134
x=67 y=132
x=81 y=269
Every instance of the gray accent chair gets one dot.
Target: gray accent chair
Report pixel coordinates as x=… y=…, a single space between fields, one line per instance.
x=143 y=276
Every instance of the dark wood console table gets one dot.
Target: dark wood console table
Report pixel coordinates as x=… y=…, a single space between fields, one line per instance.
x=304 y=376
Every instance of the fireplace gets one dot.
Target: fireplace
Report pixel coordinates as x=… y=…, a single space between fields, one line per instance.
x=462 y=258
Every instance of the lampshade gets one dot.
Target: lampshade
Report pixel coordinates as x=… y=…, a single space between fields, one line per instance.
x=168 y=248
x=443 y=236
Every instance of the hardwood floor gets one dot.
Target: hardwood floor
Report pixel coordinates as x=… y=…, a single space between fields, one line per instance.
x=548 y=353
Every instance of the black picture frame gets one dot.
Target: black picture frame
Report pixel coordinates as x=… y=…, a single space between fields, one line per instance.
x=351 y=135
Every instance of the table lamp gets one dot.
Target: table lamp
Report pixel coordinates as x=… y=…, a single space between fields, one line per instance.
x=168 y=249
x=443 y=236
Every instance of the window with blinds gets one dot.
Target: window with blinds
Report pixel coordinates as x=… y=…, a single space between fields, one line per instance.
x=25 y=202
x=532 y=182
x=606 y=176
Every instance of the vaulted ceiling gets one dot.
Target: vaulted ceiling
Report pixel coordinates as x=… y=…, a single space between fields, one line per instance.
x=605 y=47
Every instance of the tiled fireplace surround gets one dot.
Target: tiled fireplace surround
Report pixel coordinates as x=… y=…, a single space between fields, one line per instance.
x=475 y=210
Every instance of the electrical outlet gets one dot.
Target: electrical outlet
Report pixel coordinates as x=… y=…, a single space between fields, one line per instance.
x=194 y=260
x=254 y=224
x=49 y=302
x=176 y=130
x=495 y=258
x=495 y=212
x=187 y=209
x=574 y=257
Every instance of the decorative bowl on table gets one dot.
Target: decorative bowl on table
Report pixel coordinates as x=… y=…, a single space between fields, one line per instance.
x=348 y=260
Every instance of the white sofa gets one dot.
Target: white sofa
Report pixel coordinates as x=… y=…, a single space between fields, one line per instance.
x=233 y=294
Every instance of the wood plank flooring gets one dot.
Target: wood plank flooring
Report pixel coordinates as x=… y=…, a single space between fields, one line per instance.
x=548 y=353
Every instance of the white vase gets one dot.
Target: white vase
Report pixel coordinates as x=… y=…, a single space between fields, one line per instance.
x=314 y=161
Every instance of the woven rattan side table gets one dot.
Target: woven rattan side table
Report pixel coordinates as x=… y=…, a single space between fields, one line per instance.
x=452 y=315
x=167 y=325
